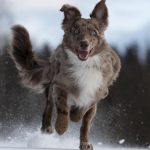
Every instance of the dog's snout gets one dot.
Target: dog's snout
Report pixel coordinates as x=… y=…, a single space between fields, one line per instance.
x=84 y=44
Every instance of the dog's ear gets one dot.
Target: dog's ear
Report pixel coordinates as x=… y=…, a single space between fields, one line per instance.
x=100 y=12
x=70 y=13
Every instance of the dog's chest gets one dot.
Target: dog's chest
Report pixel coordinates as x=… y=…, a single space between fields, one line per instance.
x=88 y=78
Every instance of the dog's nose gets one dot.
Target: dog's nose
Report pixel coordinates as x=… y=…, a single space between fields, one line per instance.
x=84 y=44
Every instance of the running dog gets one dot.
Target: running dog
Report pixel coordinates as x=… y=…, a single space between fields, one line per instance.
x=76 y=76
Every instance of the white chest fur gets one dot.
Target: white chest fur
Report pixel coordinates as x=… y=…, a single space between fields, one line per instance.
x=88 y=78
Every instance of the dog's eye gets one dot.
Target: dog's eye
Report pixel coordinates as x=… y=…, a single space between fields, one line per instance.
x=94 y=33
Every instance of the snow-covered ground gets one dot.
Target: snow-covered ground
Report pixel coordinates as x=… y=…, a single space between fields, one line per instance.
x=27 y=139
x=102 y=148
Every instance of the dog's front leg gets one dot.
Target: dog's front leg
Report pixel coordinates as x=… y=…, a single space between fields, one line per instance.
x=85 y=129
x=47 y=115
x=62 y=120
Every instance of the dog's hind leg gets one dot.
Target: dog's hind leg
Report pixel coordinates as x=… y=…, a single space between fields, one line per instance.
x=62 y=120
x=47 y=115
x=85 y=129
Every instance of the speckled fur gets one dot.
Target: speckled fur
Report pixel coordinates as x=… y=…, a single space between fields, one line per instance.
x=75 y=86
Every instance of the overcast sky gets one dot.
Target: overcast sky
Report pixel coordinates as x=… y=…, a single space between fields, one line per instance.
x=129 y=20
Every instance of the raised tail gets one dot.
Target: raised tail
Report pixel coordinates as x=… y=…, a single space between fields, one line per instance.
x=34 y=72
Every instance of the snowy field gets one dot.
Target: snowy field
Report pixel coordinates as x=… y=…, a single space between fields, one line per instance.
x=26 y=139
x=67 y=149
x=102 y=148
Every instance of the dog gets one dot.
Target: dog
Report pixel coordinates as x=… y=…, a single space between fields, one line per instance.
x=76 y=76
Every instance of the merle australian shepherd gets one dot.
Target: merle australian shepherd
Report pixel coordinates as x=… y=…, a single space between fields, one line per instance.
x=78 y=73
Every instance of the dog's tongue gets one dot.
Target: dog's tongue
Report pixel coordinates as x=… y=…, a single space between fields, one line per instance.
x=83 y=55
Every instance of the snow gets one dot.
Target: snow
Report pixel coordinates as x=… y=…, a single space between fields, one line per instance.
x=100 y=143
x=103 y=148
x=121 y=141
x=27 y=139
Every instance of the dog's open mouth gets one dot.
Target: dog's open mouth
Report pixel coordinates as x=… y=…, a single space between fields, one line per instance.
x=82 y=54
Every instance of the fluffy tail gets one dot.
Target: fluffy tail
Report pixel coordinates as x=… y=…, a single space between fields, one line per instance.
x=34 y=72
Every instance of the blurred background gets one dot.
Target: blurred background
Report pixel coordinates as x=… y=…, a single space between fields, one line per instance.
x=124 y=117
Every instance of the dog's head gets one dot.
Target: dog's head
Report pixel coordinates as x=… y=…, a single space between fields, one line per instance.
x=84 y=36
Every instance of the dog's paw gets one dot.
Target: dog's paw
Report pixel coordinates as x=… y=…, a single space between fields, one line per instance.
x=86 y=146
x=61 y=124
x=48 y=130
